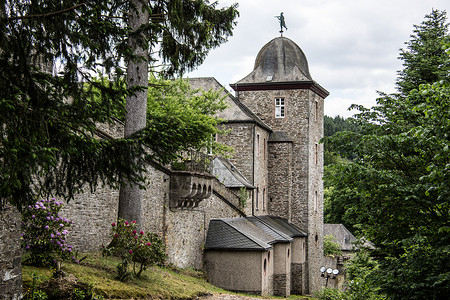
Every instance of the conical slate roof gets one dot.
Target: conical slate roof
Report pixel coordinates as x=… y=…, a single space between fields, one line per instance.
x=280 y=60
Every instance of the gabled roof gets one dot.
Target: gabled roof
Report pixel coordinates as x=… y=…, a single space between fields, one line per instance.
x=279 y=236
x=341 y=234
x=237 y=112
x=236 y=234
x=283 y=226
x=255 y=233
x=344 y=237
x=229 y=175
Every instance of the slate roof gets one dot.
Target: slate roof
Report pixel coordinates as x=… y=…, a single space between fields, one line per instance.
x=282 y=60
x=283 y=226
x=255 y=233
x=279 y=236
x=229 y=175
x=341 y=235
x=344 y=237
x=208 y=83
x=236 y=234
x=280 y=64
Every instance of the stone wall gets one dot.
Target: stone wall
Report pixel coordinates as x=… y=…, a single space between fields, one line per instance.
x=295 y=125
x=280 y=178
x=239 y=138
x=315 y=187
x=260 y=172
x=303 y=124
x=92 y=215
x=281 y=284
x=10 y=254
x=297 y=286
x=156 y=201
x=183 y=230
x=187 y=228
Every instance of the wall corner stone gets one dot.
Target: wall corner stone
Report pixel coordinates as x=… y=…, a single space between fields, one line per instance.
x=10 y=254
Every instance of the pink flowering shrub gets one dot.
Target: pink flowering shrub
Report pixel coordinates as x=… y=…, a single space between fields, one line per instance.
x=136 y=249
x=44 y=233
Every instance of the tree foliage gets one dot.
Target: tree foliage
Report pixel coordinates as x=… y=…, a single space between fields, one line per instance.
x=48 y=117
x=181 y=119
x=330 y=246
x=337 y=124
x=425 y=59
x=330 y=127
x=397 y=186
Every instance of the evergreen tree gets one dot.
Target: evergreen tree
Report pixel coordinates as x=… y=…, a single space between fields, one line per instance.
x=337 y=124
x=424 y=59
x=49 y=112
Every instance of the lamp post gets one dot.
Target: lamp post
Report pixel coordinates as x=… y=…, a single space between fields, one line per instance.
x=327 y=273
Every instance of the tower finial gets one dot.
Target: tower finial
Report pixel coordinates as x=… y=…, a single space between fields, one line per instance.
x=282 y=23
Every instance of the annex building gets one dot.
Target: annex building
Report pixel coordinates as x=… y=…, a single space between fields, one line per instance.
x=253 y=222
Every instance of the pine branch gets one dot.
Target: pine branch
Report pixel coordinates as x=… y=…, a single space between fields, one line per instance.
x=47 y=15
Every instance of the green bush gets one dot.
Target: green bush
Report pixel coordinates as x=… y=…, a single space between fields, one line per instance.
x=44 y=233
x=330 y=247
x=327 y=293
x=135 y=248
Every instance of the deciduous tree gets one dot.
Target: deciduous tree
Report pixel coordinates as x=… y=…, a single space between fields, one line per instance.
x=399 y=182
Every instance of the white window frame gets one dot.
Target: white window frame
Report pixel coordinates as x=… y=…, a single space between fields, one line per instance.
x=280 y=107
x=209 y=148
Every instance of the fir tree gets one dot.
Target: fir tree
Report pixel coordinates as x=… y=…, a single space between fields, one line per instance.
x=425 y=59
x=52 y=55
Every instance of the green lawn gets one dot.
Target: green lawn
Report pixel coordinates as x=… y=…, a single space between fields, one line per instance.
x=155 y=282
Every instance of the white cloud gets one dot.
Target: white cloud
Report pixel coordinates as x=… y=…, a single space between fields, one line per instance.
x=351 y=46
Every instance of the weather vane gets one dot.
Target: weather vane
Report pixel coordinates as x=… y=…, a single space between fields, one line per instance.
x=282 y=23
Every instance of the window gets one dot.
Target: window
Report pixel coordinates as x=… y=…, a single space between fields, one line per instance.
x=257 y=144
x=316 y=154
x=316 y=115
x=264 y=199
x=264 y=148
x=209 y=148
x=257 y=204
x=316 y=201
x=280 y=108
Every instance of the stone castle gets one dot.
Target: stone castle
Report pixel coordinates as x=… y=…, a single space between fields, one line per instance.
x=253 y=222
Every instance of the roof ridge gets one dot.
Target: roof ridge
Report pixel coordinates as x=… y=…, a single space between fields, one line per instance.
x=250 y=237
x=283 y=235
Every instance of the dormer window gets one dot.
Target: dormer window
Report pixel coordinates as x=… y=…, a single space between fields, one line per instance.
x=279 y=107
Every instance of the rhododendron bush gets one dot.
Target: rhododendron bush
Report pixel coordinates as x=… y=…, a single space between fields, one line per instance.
x=135 y=248
x=45 y=233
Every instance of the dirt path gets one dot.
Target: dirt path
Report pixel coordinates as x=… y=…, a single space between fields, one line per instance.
x=228 y=297
x=234 y=297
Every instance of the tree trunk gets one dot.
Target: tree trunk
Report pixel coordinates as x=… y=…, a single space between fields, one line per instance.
x=130 y=198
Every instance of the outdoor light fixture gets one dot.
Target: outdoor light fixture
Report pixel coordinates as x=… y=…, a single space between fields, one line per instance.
x=328 y=272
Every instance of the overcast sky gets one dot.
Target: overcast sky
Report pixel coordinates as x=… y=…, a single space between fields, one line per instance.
x=351 y=45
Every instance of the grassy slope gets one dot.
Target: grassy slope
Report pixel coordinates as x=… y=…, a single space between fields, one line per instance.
x=160 y=283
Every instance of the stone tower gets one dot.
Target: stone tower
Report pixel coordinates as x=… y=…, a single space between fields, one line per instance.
x=281 y=92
